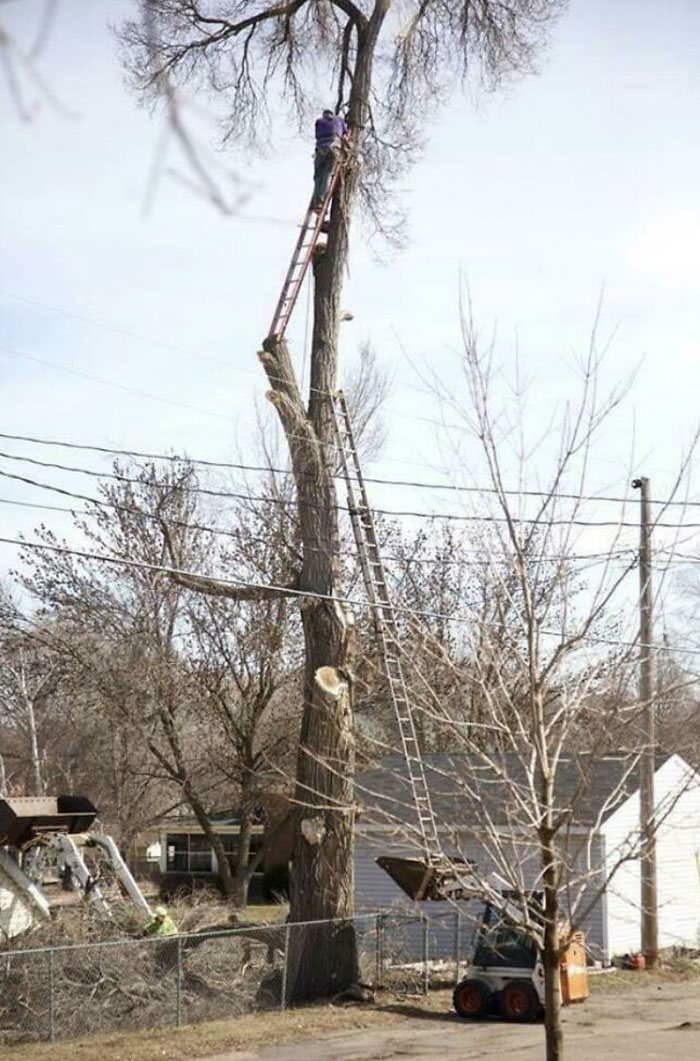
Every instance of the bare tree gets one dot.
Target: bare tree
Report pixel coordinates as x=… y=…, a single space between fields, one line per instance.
x=28 y=678
x=537 y=773
x=125 y=627
x=389 y=62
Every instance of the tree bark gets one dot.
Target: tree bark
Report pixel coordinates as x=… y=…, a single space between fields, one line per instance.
x=225 y=874
x=554 y=1038
x=34 y=755
x=242 y=875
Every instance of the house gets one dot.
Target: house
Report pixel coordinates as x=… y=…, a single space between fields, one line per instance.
x=188 y=859
x=603 y=836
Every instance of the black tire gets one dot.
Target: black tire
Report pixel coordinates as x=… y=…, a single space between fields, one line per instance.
x=472 y=999
x=518 y=1002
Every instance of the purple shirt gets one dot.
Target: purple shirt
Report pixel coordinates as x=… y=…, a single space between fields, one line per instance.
x=330 y=130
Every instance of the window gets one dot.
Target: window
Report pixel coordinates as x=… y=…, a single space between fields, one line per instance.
x=188 y=853
x=230 y=842
x=177 y=852
x=200 y=854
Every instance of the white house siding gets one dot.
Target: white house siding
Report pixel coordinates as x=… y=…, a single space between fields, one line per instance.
x=677 y=793
x=376 y=891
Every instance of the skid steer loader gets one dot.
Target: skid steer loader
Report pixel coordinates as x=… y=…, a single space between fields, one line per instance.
x=506 y=974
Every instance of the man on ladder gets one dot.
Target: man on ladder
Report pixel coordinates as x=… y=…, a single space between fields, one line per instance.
x=331 y=131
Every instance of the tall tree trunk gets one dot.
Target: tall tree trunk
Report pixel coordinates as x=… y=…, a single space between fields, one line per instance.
x=34 y=748
x=324 y=957
x=177 y=770
x=34 y=756
x=242 y=876
x=225 y=874
x=554 y=1036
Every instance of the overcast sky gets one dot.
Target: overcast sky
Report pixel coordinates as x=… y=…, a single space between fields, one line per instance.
x=586 y=175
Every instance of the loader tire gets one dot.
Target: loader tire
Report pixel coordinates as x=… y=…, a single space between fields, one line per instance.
x=518 y=1001
x=472 y=999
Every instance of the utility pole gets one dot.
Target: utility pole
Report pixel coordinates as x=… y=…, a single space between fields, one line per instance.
x=649 y=922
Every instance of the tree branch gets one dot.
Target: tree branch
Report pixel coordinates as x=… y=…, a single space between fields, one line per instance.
x=214 y=588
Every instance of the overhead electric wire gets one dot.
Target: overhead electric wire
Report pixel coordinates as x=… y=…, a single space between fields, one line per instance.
x=380 y=481
x=267 y=587
x=408 y=513
x=111 y=383
x=602 y=556
x=294 y=592
x=119 y=329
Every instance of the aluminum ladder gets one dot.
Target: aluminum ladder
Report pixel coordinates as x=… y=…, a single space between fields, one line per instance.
x=379 y=597
x=314 y=221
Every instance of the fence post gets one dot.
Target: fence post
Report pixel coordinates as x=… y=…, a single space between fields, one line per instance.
x=426 y=973
x=285 y=967
x=377 y=950
x=458 y=945
x=178 y=983
x=52 y=1001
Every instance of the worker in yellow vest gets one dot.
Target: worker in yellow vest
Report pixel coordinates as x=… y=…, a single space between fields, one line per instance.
x=161 y=924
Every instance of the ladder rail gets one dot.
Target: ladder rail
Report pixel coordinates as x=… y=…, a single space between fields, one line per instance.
x=301 y=258
x=365 y=535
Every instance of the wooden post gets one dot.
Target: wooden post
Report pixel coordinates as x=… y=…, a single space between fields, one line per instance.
x=648 y=893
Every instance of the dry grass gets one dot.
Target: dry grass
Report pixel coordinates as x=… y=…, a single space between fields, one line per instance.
x=673 y=970
x=269 y=913
x=250 y=1032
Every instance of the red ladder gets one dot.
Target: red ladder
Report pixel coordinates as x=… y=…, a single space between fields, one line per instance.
x=303 y=253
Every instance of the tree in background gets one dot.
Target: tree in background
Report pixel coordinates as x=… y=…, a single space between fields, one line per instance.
x=545 y=661
x=190 y=682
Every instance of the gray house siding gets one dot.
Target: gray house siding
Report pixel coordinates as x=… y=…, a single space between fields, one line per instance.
x=376 y=891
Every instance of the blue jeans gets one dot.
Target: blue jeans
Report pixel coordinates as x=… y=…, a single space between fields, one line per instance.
x=324 y=161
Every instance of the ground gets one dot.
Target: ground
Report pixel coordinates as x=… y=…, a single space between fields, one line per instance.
x=646 y=1016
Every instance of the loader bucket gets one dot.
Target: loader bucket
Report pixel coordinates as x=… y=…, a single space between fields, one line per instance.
x=24 y=817
x=420 y=880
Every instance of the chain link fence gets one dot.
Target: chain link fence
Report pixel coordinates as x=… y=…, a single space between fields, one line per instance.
x=71 y=991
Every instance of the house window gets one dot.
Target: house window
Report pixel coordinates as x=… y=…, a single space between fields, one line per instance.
x=230 y=842
x=188 y=853
x=177 y=859
x=200 y=854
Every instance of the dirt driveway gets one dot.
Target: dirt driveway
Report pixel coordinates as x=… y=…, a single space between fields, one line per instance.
x=652 y=1022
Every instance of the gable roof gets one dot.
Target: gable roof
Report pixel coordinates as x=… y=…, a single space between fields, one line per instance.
x=460 y=784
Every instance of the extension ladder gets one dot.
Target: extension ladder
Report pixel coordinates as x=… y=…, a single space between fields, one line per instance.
x=378 y=593
x=303 y=253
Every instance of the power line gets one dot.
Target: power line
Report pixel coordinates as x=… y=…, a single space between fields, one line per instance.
x=267 y=587
x=119 y=329
x=293 y=592
x=404 y=513
x=380 y=481
x=111 y=383
x=9 y=351
x=600 y=557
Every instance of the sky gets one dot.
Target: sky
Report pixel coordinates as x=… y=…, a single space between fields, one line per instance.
x=581 y=180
